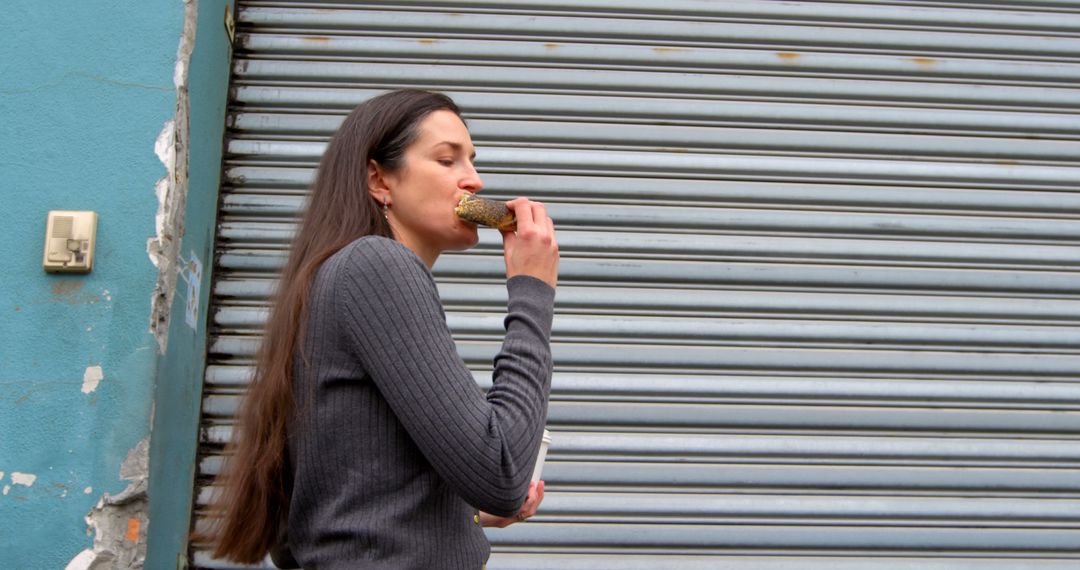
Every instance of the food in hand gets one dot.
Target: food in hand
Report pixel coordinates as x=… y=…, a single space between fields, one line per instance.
x=486 y=212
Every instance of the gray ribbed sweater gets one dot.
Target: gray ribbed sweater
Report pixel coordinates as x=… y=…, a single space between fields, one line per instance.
x=393 y=447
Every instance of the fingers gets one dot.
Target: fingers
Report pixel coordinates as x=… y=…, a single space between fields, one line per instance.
x=537 y=225
x=531 y=216
x=531 y=249
x=522 y=212
x=540 y=218
x=509 y=237
x=523 y=218
x=532 y=503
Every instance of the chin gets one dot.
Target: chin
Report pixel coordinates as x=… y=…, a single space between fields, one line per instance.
x=472 y=236
x=471 y=243
x=466 y=240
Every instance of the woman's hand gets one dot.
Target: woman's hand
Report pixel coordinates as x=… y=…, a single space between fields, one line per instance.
x=532 y=502
x=532 y=249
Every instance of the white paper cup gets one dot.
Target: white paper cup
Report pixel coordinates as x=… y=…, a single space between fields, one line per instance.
x=544 y=443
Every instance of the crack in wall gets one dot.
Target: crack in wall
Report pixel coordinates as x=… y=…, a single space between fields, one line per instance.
x=171 y=148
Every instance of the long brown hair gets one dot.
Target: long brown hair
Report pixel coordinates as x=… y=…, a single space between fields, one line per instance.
x=246 y=513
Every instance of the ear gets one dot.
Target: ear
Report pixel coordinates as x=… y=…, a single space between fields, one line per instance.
x=378 y=183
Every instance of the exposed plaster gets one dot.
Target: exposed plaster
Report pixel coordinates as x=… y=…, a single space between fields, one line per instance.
x=171 y=147
x=24 y=479
x=119 y=522
x=91 y=378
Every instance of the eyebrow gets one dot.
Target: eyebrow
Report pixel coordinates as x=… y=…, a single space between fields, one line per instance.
x=457 y=147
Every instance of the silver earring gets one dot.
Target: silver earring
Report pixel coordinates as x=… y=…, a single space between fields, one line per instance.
x=386 y=208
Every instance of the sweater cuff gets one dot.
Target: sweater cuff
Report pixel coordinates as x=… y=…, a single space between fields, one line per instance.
x=534 y=296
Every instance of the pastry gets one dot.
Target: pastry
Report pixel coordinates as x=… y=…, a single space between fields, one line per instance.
x=490 y=213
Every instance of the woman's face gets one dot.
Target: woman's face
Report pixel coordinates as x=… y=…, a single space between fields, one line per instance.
x=438 y=169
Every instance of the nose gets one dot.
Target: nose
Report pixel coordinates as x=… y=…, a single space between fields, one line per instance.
x=471 y=181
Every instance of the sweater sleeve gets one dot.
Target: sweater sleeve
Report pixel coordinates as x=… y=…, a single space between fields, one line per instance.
x=484 y=447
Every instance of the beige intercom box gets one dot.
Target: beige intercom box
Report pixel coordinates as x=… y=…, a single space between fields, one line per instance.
x=69 y=241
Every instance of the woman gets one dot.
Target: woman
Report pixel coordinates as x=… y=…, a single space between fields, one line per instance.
x=364 y=437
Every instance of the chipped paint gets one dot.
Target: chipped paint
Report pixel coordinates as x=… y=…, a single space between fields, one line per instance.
x=165 y=150
x=91 y=378
x=118 y=523
x=788 y=56
x=88 y=490
x=24 y=479
x=82 y=561
x=171 y=148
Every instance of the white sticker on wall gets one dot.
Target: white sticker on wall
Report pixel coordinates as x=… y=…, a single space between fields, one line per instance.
x=192 y=274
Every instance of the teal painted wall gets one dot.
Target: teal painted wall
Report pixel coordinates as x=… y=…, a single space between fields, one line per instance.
x=179 y=379
x=85 y=89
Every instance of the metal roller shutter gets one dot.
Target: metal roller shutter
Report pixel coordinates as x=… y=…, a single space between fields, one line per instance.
x=819 y=296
